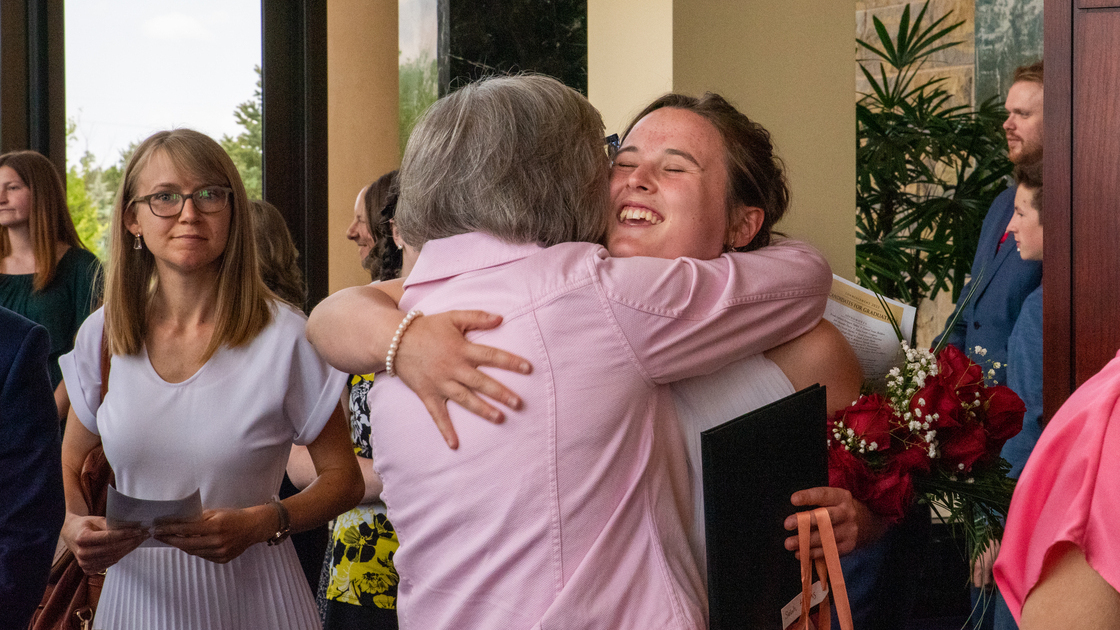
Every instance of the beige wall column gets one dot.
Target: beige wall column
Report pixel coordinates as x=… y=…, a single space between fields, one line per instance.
x=362 y=97
x=785 y=63
x=629 y=56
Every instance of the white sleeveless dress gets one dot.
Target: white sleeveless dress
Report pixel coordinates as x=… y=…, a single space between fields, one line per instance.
x=227 y=431
x=708 y=401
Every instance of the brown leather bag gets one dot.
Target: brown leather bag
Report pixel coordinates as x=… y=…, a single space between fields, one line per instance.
x=71 y=596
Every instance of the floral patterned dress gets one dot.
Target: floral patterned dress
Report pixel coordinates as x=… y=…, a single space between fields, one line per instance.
x=363 y=540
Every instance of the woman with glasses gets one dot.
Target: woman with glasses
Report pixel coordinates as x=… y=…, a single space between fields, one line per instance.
x=46 y=273
x=211 y=382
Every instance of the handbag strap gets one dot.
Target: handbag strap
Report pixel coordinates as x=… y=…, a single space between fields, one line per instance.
x=835 y=572
x=827 y=568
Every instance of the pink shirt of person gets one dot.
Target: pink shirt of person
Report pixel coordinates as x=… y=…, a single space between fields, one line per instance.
x=1068 y=492
x=573 y=512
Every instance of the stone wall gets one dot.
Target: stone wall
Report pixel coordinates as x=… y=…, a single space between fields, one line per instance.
x=957 y=64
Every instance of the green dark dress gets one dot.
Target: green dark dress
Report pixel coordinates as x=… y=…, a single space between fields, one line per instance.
x=62 y=306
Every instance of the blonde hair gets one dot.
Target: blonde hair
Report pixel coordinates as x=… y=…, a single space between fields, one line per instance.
x=520 y=158
x=1032 y=73
x=243 y=308
x=49 y=222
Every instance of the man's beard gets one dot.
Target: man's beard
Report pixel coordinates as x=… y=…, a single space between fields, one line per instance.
x=1028 y=153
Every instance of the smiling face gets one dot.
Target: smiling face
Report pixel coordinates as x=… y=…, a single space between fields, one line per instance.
x=358 y=231
x=1025 y=225
x=15 y=199
x=669 y=189
x=1023 y=126
x=184 y=243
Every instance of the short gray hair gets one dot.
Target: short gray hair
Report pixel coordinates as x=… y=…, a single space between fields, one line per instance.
x=520 y=158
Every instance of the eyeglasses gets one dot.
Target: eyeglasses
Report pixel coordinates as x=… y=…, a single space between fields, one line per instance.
x=169 y=204
x=613 y=143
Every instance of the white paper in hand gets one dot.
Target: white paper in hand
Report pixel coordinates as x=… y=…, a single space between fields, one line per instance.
x=123 y=511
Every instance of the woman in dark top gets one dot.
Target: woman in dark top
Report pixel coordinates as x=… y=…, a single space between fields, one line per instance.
x=46 y=273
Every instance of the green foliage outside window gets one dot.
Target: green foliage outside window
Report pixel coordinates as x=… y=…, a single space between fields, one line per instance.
x=91 y=189
x=419 y=88
x=245 y=148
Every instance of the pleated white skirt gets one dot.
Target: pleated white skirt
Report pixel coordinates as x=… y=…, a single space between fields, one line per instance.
x=162 y=588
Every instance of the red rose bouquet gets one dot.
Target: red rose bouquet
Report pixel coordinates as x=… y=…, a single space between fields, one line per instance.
x=937 y=434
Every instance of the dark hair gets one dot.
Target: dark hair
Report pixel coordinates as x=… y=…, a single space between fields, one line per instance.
x=277 y=254
x=1029 y=176
x=755 y=175
x=49 y=222
x=1031 y=72
x=385 y=258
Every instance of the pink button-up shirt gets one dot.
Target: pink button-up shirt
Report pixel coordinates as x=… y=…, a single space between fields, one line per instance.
x=573 y=513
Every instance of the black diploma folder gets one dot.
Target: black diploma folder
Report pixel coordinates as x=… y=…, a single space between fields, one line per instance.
x=751 y=466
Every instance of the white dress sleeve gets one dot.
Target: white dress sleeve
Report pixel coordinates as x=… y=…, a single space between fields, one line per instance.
x=81 y=370
x=314 y=388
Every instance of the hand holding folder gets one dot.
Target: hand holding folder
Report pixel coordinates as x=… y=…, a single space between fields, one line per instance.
x=751 y=466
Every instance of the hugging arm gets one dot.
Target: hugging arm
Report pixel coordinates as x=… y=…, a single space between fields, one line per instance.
x=353 y=329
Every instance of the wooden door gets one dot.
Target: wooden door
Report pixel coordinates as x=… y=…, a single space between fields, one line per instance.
x=1081 y=281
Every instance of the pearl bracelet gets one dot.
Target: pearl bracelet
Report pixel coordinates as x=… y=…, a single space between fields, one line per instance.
x=389 y=358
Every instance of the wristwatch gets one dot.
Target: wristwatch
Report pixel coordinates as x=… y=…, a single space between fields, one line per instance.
x=285 y=528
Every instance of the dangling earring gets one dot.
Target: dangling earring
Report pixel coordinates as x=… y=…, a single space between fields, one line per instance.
x=139 y=244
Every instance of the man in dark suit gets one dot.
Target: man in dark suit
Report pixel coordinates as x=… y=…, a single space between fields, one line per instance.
x=1002 y=279
x=31 y=500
